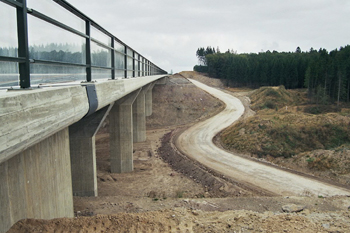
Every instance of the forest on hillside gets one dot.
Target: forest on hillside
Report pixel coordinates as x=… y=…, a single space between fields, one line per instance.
x=325 y=74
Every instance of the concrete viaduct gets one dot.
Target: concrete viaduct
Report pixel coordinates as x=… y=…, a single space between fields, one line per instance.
x=47 y=142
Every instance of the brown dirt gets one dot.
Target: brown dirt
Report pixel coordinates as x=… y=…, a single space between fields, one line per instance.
x=213 y=82
x=167 y=192
x=179 y=102
x=190 y=220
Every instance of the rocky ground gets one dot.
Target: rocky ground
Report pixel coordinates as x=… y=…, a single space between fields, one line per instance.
x=167 y=192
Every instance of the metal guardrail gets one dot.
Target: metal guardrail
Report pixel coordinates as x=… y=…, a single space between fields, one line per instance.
x=100 y=54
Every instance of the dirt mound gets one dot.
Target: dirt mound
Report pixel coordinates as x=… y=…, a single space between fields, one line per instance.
x=186 y=220
x=287 y=134
x=275 y=98
x=179 y=102
x=329 y=164
x=213 y=82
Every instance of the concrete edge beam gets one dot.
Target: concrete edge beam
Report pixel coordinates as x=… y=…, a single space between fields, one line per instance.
x=111 y=91
x=28 y=117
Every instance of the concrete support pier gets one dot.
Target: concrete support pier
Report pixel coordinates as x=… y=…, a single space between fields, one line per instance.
x=36 y=183
x=148 y=100
x=83 y=153
x=121 y=133
x=139 y=115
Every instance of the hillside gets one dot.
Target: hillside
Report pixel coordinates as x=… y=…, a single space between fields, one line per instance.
x=283 y=132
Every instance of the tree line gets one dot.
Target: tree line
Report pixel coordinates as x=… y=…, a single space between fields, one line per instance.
x=325 y=74
x=69 y=53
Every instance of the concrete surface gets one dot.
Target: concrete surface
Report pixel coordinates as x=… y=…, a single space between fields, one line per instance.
x=37 y=182
x=148 y=100
x=83 y=152
x=28 y=117
x=121 y=134
x=139 y=115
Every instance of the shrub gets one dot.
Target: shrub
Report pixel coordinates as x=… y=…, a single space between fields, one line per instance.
x=272 y=92
x=270 y=104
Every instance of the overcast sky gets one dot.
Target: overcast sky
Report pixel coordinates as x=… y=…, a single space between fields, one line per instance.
x=168 y=32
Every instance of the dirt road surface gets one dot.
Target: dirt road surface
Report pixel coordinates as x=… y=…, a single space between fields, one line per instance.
x=196 y=142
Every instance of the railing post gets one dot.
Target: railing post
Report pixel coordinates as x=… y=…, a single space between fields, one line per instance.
x=133 y=64
x=112 y=58
x=143 y=66
x=88 y=51
x=147 y=67
x=138 y=65
x=125 y=62
x=23 y=51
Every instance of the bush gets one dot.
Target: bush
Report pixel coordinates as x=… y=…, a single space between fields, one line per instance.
x=318 y=109
x=202 y=69
x=270 y=104
x=272 y=92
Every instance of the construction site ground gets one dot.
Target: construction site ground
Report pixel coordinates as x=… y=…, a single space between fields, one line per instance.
x=168 y=192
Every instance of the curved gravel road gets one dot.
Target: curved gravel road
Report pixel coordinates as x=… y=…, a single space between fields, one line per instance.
x=196 y=142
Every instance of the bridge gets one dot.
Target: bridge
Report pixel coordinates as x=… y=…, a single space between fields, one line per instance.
x=55 y=92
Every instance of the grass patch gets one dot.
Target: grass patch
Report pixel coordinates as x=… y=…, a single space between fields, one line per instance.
x=288 y=134
x=272 y=92
x=179 y=194
x=275 y=98
x=321 y=109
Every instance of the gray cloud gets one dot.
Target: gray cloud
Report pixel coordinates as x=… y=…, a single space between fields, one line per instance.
x=169 y=32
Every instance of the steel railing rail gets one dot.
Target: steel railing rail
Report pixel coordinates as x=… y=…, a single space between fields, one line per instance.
x=140 y=66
